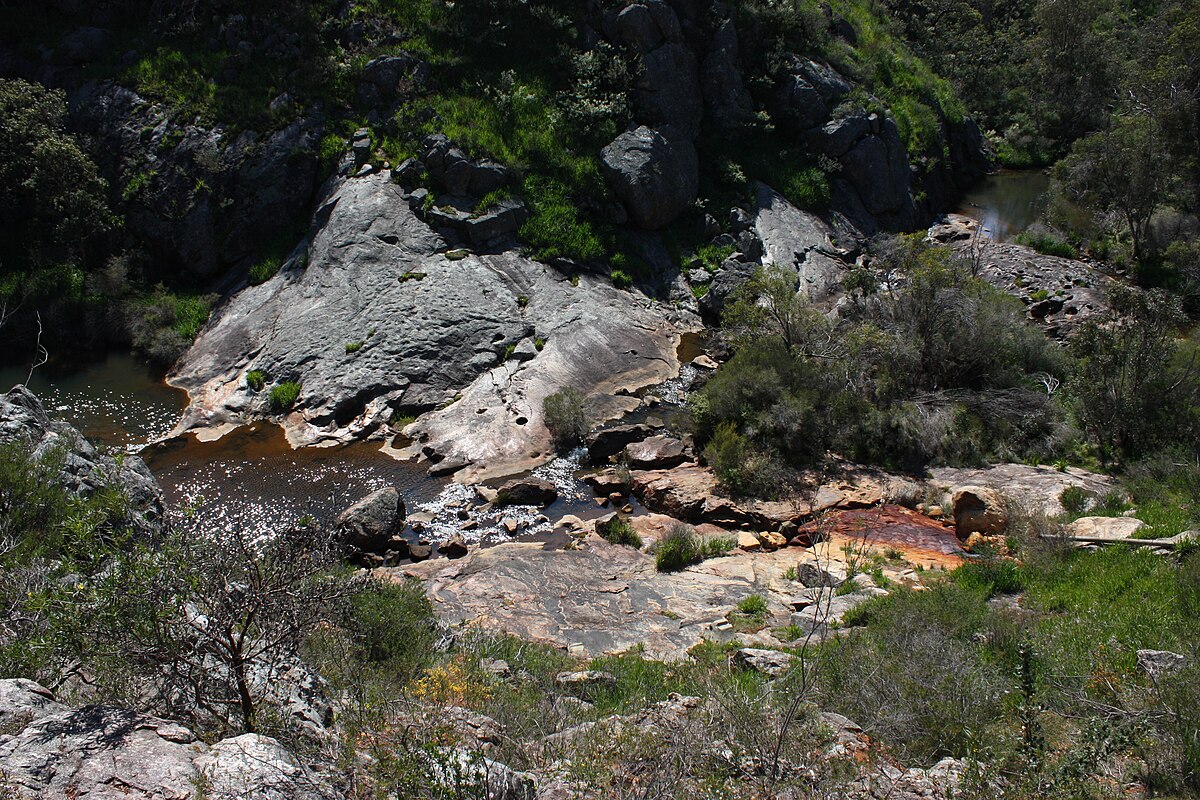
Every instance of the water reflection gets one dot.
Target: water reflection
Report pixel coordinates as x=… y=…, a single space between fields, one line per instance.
x=1007 y=203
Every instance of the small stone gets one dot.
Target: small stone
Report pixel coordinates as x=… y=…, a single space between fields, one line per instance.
x=591 y=677
x=627 y=509
x=454 y=547
x=420 y=552
x=767 y=662
x=509 y=524
x=772 y=541
x=748 y=541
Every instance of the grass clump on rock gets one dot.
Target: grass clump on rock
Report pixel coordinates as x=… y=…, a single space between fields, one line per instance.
x=619 y=531
x=284 y=395
x=681 y=548
x=256 y=379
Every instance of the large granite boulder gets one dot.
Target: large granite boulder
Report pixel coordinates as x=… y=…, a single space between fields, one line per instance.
x=258 y=767
x=430 y=327
x=100 y=753
x=979 y=509
x=84 y=470
x=370 y=525
x=800 y=241
x=656 y=178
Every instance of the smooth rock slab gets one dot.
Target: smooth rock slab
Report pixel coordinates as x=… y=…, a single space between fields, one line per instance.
x=1107 y=528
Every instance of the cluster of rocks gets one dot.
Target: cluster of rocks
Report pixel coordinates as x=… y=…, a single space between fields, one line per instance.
x=378 y=531
x=50 y=751
x=692 y=76
x=461 y=184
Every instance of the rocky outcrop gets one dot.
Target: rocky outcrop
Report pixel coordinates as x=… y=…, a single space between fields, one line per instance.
x=1105 y=528
x=1059 y=294
x=528 y=492
x=375 y=317
x=255 y=766
x=801 y=241
x=200 y=199
x=1037 y=489
x=656 y=178
x=690 y=493
x=657 y=452
x=597 y=598
x=83 y=470
x=49 y=751
x=980 y=510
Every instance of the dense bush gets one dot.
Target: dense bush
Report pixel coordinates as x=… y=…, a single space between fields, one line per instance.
x=681 y=547
x=564 y=414
x=928 y=364
x=1048 y=243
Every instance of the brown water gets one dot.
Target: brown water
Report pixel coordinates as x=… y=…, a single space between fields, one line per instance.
x=1007 y=202
x=253 y=481
x=119 y=402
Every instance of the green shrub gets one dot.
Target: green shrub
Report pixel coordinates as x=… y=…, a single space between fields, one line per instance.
x=992 y=576
x=680 y=548
x=284 y=395
x=808 y=189
x=395 y=626
x=1075 y=500
x=564 y=414
x=754 y=605
x=353 y=347
x=1047 y=244
x=621 y=279
x=619 y=531
x=264 y=270
x=256 y=379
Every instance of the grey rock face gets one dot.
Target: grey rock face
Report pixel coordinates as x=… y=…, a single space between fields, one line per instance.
x=369 y=525
x=801 y=241
x=49 y=752
x=725 y=96
x=768 y=662
x=253 y=184
x=607 y=442
x=85 y=470
x=654 y=177
x=100 y=753
x=388 y=78
x=806 y=94
x=668 y=91
x=528 y=492
x=657 y=452
x=22 y=701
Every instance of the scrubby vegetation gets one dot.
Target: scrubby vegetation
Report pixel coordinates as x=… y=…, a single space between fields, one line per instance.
x=564 y=414
x=929 y=365
x=1044 y=695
